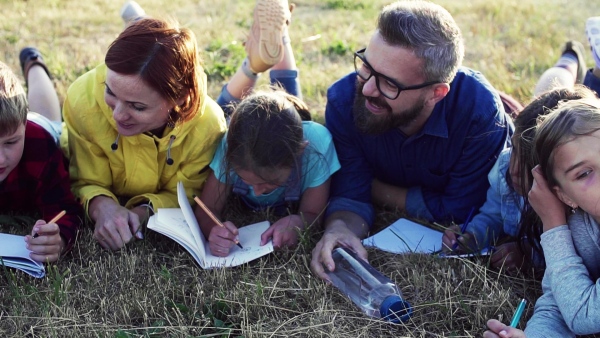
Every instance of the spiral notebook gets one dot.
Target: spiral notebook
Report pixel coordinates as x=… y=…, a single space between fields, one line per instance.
x=14 y=254
x=180 y=225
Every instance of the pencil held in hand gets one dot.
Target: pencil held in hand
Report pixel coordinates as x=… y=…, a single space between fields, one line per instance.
x=212 y=216
x=54 y=220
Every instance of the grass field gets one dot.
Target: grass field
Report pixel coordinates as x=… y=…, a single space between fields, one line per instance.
x=153 y=288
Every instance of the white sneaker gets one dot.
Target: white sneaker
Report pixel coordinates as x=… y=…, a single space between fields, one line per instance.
x=592 y=30
x=132 y=11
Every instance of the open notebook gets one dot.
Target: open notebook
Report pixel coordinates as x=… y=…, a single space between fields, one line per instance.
x=181 y=226
x=405 y=236
x=14 y=254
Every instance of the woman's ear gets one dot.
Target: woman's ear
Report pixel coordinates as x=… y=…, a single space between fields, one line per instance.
x=183 y=98
x=564 y=198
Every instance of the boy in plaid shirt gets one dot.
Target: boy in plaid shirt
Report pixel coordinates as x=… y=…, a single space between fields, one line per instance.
x=33 y=177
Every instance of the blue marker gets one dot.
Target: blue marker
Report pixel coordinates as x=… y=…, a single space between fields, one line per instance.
x=463 y=228
x=515 y=319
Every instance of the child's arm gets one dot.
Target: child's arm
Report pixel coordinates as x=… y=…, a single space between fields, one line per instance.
x=53 y=195
x=567 y=281
x=547 y=320
x=214 y=196
x=486 y=226
x=284 y=232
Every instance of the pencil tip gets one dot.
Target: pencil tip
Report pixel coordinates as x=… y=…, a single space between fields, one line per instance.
x=240 y=245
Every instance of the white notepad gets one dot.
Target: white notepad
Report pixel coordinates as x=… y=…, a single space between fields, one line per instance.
x=405 y=236
x=14 y=254
x=180 y=224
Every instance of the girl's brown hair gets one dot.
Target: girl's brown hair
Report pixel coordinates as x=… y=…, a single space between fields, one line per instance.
x=266 y=132
x=530 y=225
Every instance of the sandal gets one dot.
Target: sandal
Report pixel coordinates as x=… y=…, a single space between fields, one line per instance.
x=30 y=57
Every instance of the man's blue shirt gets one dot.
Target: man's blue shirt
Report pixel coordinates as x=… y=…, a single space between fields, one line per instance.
x=444 y=166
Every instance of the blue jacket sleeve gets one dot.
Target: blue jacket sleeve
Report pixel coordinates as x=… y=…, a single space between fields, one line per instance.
x=592 y=81
x=487 y=225
x=467 y=181
x=351 y=185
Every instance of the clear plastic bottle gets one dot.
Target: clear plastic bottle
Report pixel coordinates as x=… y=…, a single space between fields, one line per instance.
x=368 y=288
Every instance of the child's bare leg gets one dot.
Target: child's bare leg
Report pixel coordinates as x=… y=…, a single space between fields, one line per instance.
x=568 y=70
x=41 y=94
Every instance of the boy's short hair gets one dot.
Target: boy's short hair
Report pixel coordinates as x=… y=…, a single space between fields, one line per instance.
x=13 y=102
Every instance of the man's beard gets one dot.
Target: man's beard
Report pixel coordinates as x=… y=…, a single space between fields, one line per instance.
x=369 y=123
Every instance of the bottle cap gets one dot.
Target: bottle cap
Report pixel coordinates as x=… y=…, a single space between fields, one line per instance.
x=394 y=309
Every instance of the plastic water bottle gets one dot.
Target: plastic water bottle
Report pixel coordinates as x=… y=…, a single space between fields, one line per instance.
x=368 y=288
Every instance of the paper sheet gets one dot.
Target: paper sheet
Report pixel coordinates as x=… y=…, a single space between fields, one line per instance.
x=405 y=236
x=181 y=225
x=14 y=254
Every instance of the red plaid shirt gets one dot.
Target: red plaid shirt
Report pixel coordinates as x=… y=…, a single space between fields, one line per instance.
x=40 y=183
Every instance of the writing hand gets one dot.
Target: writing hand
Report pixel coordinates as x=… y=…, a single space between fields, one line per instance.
x=455 y=242
x=222 y=239
x=48 y=245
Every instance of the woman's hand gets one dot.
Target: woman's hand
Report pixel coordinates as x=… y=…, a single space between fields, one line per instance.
x=115 y=225
x=284 y=232
x=47 y=245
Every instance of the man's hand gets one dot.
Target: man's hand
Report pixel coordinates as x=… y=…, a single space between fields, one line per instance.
x=337 y=234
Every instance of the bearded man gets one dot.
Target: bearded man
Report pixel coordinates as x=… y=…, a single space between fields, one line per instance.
x=412 y=128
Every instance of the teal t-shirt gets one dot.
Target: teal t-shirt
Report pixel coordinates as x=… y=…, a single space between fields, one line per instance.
x=319 y=162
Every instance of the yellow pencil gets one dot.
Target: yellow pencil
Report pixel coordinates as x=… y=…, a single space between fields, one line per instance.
x=212 y=216
x=54 y=220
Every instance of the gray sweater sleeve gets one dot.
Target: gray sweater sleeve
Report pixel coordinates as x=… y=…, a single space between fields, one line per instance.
x=571 y=295
x=547 y=320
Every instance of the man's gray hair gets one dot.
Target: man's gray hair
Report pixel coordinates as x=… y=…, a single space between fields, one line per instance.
x=429 y=31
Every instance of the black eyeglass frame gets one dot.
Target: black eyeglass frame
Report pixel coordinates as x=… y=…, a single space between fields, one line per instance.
x=360 y=54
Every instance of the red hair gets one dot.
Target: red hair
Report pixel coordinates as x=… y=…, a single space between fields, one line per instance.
x=165 y=56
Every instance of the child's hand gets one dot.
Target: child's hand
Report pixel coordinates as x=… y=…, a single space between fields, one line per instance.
x=48 y=246
x=550 y=209
x=284 y=232
x=221 y=239
x=507 y=256
x=497 y=329
x=466 y=241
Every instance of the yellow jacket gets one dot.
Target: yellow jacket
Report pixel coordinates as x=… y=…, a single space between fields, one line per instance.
x=137 y=171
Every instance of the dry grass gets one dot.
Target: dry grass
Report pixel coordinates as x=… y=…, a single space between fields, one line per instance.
x=153 y=288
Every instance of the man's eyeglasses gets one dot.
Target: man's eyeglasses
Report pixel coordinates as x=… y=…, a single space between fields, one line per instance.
x=386 y=86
